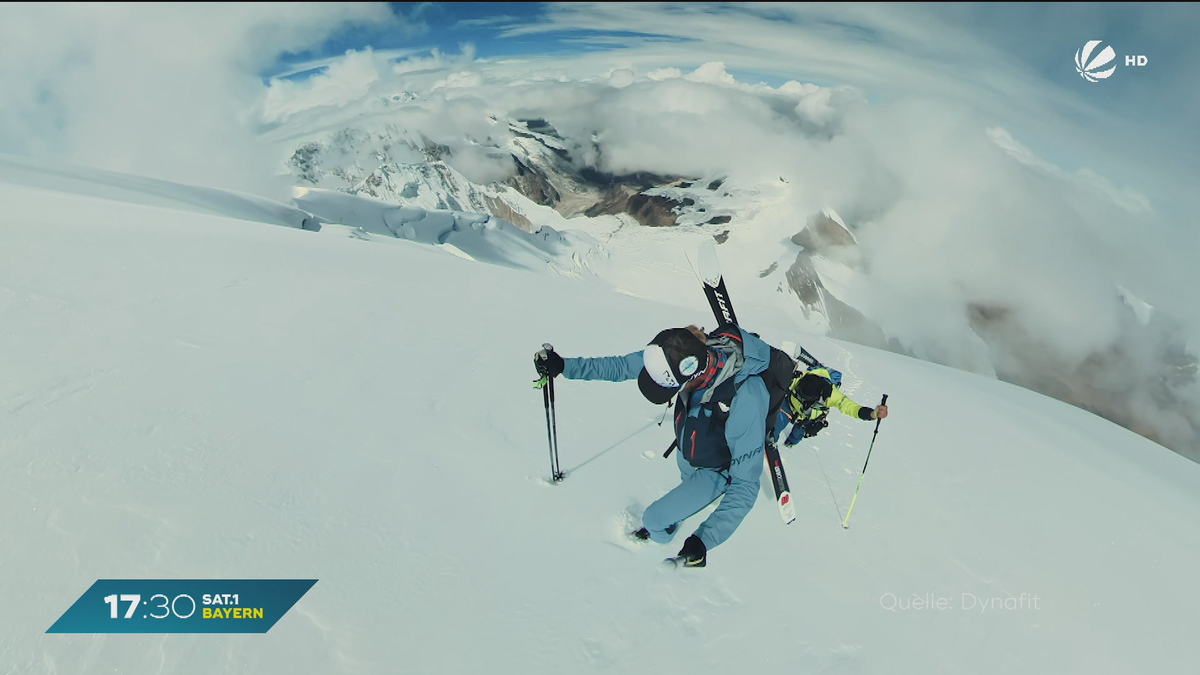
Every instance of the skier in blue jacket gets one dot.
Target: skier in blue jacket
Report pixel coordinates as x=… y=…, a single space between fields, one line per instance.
x=720 y=424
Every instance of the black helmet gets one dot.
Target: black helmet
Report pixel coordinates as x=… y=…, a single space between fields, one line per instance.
x=669 y=361
x=812 y=388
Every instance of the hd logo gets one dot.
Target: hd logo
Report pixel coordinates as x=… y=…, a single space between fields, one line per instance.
x=1092 y=68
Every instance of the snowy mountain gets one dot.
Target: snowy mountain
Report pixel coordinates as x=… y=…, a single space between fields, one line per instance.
x=188 y=393
x=405 y=167
x=810 y=265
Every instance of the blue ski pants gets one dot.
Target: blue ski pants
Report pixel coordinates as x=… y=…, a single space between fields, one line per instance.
x=697 y=489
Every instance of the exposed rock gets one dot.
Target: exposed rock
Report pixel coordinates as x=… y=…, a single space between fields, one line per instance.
x=541 y=126
x=558 y=150
x=1024 y=359
x=719 y=220
x=654 y=211
x=803 y=279
x=534 y=184
x=642 y=180
x=435 y=152
x=503 y=210
x=822 y=233
x=845 y=322
x=615 y=201
x=649 y=210
x=304 y=161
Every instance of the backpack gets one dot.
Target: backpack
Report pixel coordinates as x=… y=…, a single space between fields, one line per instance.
x=777 y=376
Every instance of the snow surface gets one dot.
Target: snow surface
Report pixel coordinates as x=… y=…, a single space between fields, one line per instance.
x=191 y=395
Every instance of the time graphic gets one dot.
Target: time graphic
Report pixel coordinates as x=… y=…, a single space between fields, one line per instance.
x=182 y=605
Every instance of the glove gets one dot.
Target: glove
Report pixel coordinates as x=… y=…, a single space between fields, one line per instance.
x=802 y=431
x=694 y=552
x=548 y=362
x=814 y=427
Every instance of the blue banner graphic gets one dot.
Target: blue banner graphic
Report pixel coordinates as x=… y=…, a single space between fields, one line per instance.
x=182 y=606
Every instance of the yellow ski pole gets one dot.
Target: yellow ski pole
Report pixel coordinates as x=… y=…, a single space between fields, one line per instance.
x=845 y=523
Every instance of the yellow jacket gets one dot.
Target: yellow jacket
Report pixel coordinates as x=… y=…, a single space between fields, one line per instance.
x=836 y=400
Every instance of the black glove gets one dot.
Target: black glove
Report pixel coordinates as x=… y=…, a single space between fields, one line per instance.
x=548 y=363
x=693 y=552
x=814 y=427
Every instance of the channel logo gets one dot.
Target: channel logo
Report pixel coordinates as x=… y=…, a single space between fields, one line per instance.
x=1089 y=67
x=1090 y=64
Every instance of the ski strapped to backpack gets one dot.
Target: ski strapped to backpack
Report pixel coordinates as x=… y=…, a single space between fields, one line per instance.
x=778 y=375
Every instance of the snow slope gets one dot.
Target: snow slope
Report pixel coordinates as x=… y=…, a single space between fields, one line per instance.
x=187 y=395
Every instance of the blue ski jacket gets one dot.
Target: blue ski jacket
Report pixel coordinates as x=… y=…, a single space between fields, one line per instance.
x=745 y=428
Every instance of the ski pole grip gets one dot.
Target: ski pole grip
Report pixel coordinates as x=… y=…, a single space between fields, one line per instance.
x=546 y=349
x=877 y=421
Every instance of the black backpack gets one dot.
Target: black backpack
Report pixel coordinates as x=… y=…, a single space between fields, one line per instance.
x=777 y=376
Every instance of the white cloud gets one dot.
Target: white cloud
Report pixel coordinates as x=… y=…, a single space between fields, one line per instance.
x=160 y=90
x=459 y=80
x=621 y=78
x=345 y=79
x=664 y=73
x=1128 y=198
x=712 y=73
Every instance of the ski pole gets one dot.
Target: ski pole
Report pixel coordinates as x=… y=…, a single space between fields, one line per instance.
x=556 y=467
x=546 y=384
x=845 y=524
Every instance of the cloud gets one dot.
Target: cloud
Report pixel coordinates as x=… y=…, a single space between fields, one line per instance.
x=664 y=73
x=977 y=252
x=464 y=79
x=998 y=209
x=1010 y=65
x=712 y=72
x=168 y=91
x=344 y=79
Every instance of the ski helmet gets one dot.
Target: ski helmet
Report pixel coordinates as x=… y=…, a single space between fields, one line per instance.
x=669 y=361
x=812 y=388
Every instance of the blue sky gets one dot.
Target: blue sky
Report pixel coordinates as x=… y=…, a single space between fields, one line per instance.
x=447 y=26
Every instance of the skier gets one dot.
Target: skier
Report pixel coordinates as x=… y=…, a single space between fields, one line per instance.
x=812 y=395
x=720 y=424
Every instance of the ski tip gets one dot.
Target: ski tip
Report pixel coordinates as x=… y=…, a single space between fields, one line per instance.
x=707 y=265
